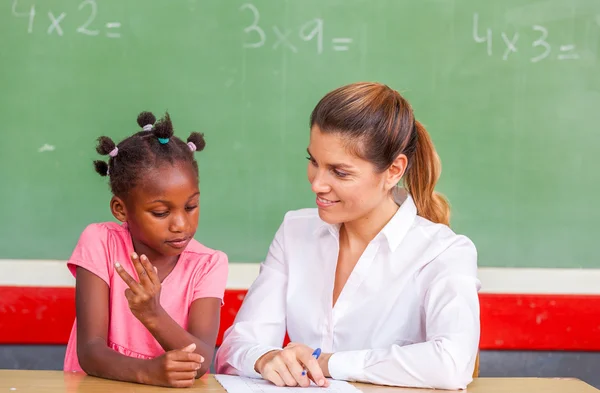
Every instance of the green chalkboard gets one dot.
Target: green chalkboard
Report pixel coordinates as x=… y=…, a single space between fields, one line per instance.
x=510 y=92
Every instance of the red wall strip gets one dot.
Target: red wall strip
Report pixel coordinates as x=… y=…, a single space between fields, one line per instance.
x=526 y=322
x=36 y=315
x=540 y=322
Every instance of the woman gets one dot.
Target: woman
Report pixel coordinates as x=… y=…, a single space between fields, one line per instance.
x=374 y=277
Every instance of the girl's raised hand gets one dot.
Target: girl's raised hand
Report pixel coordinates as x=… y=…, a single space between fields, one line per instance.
x=143 y=296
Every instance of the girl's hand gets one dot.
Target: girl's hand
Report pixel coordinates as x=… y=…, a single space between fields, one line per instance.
x=143 y=296
x=285 y=367
x=175 y=369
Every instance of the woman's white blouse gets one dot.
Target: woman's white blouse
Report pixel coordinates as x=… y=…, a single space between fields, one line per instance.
x=407 y=316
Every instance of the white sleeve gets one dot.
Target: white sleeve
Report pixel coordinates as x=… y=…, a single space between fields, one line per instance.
x=447 y=358
x=259 y=326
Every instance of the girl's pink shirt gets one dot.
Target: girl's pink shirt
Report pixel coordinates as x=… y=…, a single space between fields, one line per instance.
x=200 y=272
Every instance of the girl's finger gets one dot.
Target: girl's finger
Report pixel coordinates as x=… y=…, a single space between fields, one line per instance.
x=150 y=270
x=131 y=283
x=145 y=281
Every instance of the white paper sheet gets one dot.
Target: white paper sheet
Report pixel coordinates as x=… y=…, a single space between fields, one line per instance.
x=235 y=384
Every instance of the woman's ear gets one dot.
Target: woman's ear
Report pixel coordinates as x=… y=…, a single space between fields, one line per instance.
x=118 y=209
x=396 y=171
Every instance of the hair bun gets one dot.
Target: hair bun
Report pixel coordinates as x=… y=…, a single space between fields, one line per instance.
x=105 y=145
x=198 y=140
x=146 y=118
x=163 y=129
x=101 y=167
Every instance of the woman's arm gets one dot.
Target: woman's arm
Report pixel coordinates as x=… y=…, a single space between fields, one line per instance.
x=447 y=358
x=253 y=345
x=259 y=326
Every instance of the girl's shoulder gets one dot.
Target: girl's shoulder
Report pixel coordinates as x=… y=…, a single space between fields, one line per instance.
x=196 y=248
x=100 y=231
x=99 y=246
x=207 y=269
x=203 y=256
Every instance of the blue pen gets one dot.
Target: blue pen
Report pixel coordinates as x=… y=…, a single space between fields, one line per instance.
x=316 y=355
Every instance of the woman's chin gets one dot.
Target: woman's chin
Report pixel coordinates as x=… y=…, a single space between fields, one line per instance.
x=330 y=217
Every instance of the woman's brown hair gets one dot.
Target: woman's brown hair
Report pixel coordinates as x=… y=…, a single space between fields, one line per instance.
x=379 y=125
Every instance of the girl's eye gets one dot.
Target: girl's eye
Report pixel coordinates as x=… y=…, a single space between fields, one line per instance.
x=190 y=208
x=312 y=160
x=160 y=214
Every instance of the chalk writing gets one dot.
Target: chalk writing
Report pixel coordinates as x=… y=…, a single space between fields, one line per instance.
x=283 y=37
x=87 y=12
x=539 y=47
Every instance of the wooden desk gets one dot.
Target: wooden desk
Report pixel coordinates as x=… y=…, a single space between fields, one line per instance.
x=19 y=381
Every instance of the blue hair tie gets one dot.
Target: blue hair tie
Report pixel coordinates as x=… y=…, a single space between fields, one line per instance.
x=163 y=141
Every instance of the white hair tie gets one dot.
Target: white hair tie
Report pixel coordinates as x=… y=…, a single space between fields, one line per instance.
x=192 y=146
x=147 y=127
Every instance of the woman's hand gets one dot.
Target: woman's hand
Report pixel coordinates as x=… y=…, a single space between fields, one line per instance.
x=143 y=296
x=285 y=367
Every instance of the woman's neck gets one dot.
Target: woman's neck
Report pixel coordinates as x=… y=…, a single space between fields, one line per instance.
x=363 y=230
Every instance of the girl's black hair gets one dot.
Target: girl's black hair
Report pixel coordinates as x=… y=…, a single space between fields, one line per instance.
x=143 y=151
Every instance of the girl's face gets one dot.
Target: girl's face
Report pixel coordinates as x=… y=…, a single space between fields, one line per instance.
x=162 y=210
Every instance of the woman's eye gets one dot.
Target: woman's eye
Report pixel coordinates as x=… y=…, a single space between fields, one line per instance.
x=339 y=174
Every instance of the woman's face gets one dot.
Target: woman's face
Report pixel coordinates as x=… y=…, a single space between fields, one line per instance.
x=347 y=187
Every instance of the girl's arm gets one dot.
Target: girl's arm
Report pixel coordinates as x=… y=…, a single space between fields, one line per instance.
x=144 y=302
x=175 y=368
x=203 y=327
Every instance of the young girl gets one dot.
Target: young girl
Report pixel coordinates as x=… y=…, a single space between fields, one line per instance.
x=148 y=295
x=373 y=277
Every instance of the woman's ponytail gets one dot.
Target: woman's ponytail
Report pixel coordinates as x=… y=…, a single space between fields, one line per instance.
x=423 y=174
